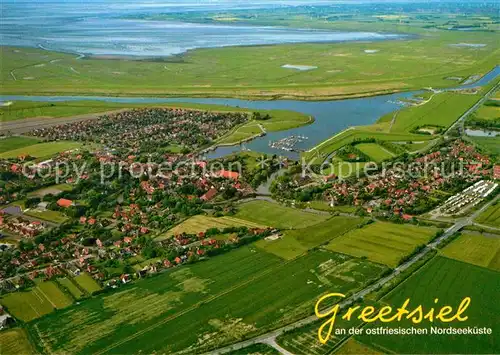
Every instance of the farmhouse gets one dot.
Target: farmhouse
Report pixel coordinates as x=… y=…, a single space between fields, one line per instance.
x=62 y=202
x=227 y=174
x=210 y=194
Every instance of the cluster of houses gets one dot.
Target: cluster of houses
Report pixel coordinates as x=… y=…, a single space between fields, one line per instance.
x=402 y=188
x=21 y=226
x=148 y=127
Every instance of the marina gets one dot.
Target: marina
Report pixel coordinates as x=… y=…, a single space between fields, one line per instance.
x=288 y=144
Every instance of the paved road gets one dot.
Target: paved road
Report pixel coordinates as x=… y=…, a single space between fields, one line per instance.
x=270 y=337
x=462 y=118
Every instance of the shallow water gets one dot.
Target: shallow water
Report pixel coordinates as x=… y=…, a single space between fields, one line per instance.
x=101 y=29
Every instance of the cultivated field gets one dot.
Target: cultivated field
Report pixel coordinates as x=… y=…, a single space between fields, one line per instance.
x=376 y=152
x=490 y=217
x=164 y=314
x=54 y=294
x=14 y=342
x=48 y=215
x=87 y=283
x=13 y=143
x=70 y=287
x=450 y=281
x=298 y=241
x=27 y=306
x=37 y=302
x=486 y=112
x=304 y=340
x=148 y=304
x=41 y=149
x=275 y=215
x=475 y=249
x=353 y=347
x=381 y=242
x=256 y=349
x=201 y=223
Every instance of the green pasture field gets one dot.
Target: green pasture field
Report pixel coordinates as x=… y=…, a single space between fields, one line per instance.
x=384 y=20
x=382 y=242
x=243 y=133
x=256 y=349
x=280 y=120
x=164 y=314
x=298 y=241
x=475 y=249
x=324 y=206
x=449 y=281
x=353 y=347
x=488 y=112
x=275 y=215
x=27 y=306
x=348 y=136
x=442 y=110
x=39 y=301
x=54 y=190
x=70 y=287
x=41 y=149
x=15 y=342
x=251 y=160
x=87 y=283
x=48 y=215
x=344 y=69
x=376 y=152
x=201 y=223
x=12 y=143
x=490 y=217
x=54 y=294
x=26 y=109
x=489 y=144
x=413 y=147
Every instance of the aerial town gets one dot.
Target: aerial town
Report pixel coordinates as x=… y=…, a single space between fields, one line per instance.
x=222 y=178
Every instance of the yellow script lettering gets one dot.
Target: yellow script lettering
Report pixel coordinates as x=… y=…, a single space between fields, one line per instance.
x=332 y=313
